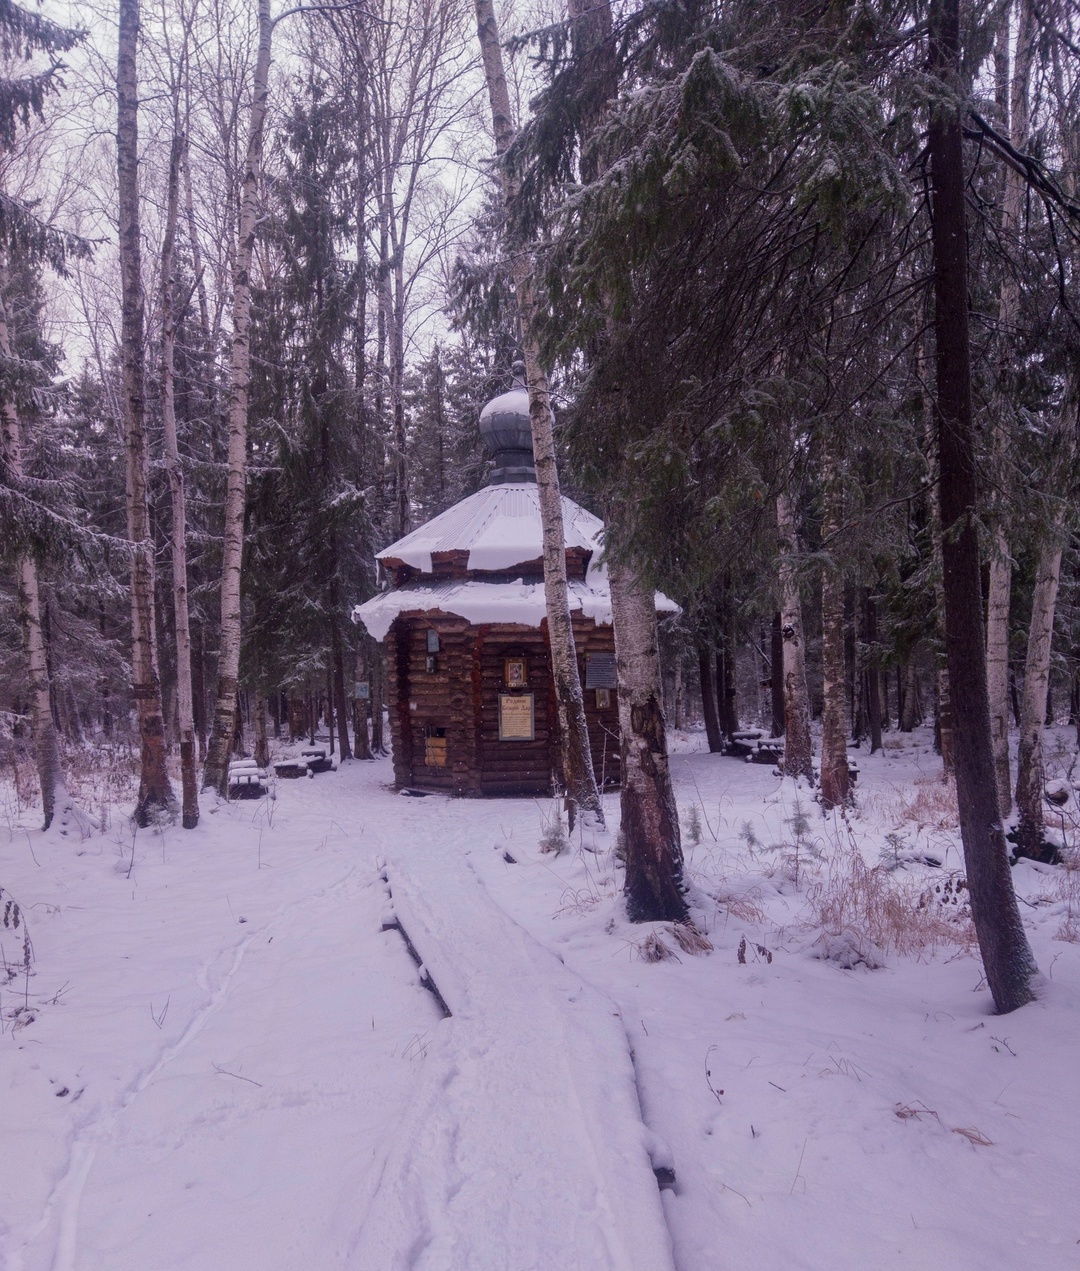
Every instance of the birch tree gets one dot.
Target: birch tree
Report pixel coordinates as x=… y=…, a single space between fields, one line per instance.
x=185 y=720
x=649 y=823
x=1000 y=584
x=46 y=745
x=155 y=796
x=798 y=747
x=21 y=100
x=1062 y=450
x=577 y=765
x=216 y=772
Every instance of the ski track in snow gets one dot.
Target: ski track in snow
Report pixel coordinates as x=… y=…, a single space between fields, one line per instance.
x=66 y=1196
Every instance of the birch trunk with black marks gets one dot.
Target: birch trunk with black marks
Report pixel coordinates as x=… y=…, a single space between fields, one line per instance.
x=216 y=772
x=650 y=821
x=185 y=714
x=577 y=765
x=1030 y=770
x=1007 y=959
x=155 y=796
x=798 y=747
x=46 y=743
x=1000 y=586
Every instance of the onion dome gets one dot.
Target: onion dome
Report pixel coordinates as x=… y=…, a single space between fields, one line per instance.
x=507 y=434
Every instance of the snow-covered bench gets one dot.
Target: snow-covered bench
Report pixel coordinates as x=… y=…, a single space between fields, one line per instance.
x=316 y=759
x=246 y=779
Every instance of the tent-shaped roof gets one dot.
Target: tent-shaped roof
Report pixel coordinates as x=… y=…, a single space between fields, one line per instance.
x=499 y=526
x=500 y=529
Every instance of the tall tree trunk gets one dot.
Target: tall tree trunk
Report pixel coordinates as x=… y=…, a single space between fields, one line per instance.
x=198 y=686
x=378 y=698
x=873 y=675
x=216 y=773
x=1007 y=959
x=776 y=673
x=707 y=677
x=42 y=724
x=337 y=659
x=910 y=713
x=1030 y=771
x=185 y=716
x=1000 y=586
x=798 y=748
x=577 y=763
x=402 y=505
x=262 y=743
x=155 y=790
x=997 y=664
x=650 y=822
x=361 y=706
x=726 y=680
x=835 y=777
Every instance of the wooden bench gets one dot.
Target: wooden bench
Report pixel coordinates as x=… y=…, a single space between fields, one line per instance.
x=246 y=779
x=317 y=759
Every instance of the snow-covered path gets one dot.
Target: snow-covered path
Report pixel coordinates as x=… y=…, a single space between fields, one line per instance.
x=247 y=1073
x=526 y=1150
x=251 y=1126
x=230 y=1065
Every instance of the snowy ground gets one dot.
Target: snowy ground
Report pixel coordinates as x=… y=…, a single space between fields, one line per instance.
x=222 y=1061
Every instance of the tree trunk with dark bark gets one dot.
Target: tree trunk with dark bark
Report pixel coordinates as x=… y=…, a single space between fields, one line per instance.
x=337 y=655
x=155 y=796
x=262 y=742
x=726 y=676
x=835 y=776
x=776 y=674
x=707 y=677
x=1007 y=959
x=873 y=676
x=361 y=706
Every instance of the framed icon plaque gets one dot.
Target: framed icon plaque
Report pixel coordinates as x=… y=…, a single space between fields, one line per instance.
x=515 y=672
x=517 y=717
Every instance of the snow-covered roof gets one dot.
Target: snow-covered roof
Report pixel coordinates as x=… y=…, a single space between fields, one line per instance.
x=519 y=603
x=499 y=526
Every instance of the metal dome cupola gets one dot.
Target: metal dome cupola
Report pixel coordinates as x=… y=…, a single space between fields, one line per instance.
x=507 y=433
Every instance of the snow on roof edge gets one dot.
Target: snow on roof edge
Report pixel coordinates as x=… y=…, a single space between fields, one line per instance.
x=517 y=603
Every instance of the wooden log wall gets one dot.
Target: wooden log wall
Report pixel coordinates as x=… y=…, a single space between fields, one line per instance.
x=459 y=698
